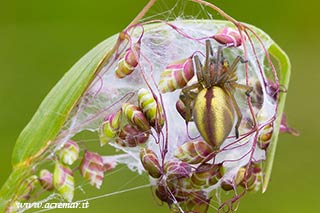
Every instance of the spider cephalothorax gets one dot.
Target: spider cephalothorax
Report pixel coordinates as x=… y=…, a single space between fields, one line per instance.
x=210 y=102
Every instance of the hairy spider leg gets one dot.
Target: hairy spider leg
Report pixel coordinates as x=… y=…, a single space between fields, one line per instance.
x=187 y=96
x=236 y=107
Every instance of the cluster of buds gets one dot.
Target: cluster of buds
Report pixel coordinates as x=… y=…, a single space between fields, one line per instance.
x=177 y=180
x=176 y=75
x=182 y=182
x=131 y=125
x=129 y=61
x=228 y=36
x=63 y=179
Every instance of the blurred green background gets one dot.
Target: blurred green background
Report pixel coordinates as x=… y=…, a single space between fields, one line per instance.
x=40 y=40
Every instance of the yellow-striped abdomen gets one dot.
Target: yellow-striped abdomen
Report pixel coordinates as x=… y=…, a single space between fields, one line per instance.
x=213 y=115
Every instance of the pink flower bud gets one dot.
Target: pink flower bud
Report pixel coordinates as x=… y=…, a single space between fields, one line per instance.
x=193 y=152
x=69 y=152
x=229 y=37
x=63 y=181
x=176 y=76
x=45 y=178
x=131 y=137
x=135 y=116
x=129 y=62
x=176 y=170
x=92 y=168
x=150 y=162
x=206 y=175
x=110 y=128
x=151 y=109
x=237 y=179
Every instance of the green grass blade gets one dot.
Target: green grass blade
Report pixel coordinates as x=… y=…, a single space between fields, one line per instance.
x=55 y=108
x=284 y=77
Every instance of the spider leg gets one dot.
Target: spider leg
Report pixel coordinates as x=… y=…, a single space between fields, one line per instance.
x=248 y=89
x=206 y=69
x=198 y=67
x=237 y=109
x=187 y=96
x=223 y=77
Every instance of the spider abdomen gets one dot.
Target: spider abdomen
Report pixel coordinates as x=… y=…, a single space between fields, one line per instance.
x=213 y=115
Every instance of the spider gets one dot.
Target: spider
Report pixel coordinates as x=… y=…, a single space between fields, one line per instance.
x=210 y=102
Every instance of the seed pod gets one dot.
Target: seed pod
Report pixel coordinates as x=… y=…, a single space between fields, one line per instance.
x=150 y=162
x=110 y=128
x=69 y=152
x=176 y=170
x=181 y=108
x=151 y=109
x=252 y=178
x=176 y=76
x=265 y=136
x=193 y=152
x=129 y=62
x=45 y=179
x=131 y=137
x=238 y=178
x=92 y=168
x=135 y=116
x=229 y=37
x=27 y=187
x=206 y=175
x=63 y=181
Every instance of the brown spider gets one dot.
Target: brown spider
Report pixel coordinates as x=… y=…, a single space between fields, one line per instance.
x=210 y=102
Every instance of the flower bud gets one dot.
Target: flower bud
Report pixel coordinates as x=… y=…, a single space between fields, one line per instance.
x=252 y=178
x=193 y=152
x=63 y=181
x=110 y=128
x=176 y=76
x=150 y=162
x=265 y=136
x=237 y=179
x=92 y=168
x=151 y=109
x=135 y=116
x=69 y=152
x=131 y=137
x=175 y=170
x=229 y=37
x=206 y=175
x=181 y=108
x=129 y=62
x=45 y=179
